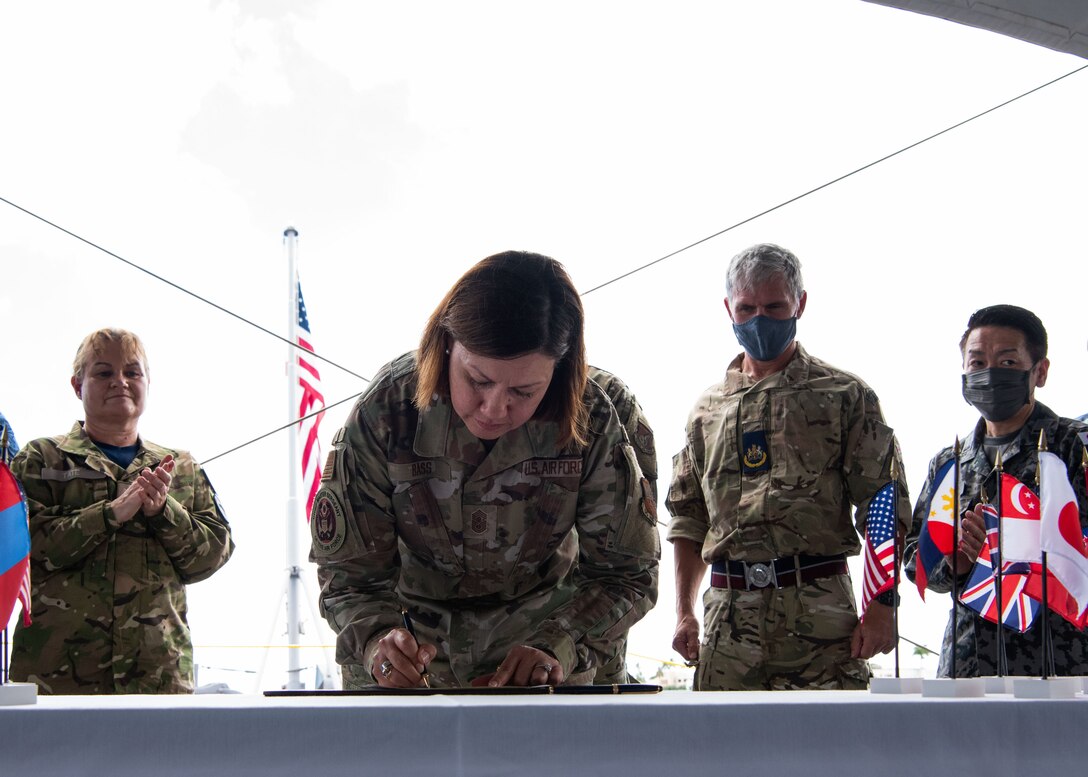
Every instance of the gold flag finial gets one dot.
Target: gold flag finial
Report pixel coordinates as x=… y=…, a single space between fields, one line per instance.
x=997 y=460
x=1042 y=440
x=895 y=470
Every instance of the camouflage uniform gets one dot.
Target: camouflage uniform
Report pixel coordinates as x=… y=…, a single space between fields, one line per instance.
x=108 y=599
x=976 y=638
x=481 y=546
x=826 y=447
x=642 y=438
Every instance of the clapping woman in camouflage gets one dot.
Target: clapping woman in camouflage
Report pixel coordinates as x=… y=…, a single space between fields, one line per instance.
x=118 y=527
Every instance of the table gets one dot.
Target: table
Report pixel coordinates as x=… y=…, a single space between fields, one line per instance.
x=805 y=733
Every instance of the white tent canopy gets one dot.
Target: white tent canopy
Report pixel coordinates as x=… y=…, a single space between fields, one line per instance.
x=1061 y=25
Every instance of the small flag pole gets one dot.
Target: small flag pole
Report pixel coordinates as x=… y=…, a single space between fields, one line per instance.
x=4 y=635
x=955 y=550
x=294 y=572
x=895 y=562
x=1044 y=632
x=1002 y=656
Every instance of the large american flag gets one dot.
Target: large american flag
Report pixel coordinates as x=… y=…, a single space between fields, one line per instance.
x=311 y=401
x=879 y=546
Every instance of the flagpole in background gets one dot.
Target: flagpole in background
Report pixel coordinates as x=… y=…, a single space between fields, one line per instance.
x=294 y=582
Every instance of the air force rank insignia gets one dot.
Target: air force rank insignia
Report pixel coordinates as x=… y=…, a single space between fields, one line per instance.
x=754 y=454
x=482 y=523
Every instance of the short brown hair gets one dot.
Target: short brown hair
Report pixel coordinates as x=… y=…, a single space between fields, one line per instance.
x=509 y=305
x=94 y=343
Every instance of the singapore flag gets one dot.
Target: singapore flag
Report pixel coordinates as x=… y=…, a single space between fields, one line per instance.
x=1019 y=521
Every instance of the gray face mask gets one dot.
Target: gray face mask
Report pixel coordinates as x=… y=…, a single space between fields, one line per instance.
x=765 y=338
x=997 y=392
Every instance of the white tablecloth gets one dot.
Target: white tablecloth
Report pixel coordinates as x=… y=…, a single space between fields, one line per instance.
x=798 y=734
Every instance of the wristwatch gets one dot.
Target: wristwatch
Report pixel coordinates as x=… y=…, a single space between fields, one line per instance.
x=889 y=598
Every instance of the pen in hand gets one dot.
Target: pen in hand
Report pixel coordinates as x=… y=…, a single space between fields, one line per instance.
x=411 y=630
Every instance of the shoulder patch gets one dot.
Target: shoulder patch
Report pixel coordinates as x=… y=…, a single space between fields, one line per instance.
x=648 y=503
x=330 y=466
x=643 y=437
x=327 y=526
x=215 y=496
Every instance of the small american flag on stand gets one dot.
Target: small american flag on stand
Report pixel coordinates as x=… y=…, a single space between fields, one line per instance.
x=879 y=546
x=311 y=401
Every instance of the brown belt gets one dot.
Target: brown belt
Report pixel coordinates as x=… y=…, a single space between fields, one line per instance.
x=777 y=573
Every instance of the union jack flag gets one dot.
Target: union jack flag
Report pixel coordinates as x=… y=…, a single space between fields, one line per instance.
x=311 y=401
x=879 y=546
x=980 y=595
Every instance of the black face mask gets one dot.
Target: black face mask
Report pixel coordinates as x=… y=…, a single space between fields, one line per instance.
x=997 y=392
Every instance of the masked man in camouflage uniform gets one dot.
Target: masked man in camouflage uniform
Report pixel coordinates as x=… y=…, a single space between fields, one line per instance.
x=483 y=484
x=776 y=456
x=118 y=527
x=1004 y=361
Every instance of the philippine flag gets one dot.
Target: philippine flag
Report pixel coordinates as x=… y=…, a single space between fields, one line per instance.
x=942 y=508
x=935 y=536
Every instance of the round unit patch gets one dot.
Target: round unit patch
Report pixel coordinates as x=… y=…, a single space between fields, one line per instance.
x=327 y=523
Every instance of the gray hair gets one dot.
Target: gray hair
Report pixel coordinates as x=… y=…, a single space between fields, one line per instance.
x=758 y=264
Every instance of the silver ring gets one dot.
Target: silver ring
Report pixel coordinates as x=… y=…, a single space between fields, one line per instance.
x=546 y=667
x=386 y=668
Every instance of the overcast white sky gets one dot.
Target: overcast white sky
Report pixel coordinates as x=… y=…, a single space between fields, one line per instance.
x=407 y=141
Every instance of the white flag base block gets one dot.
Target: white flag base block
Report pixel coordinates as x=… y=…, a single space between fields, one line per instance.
x=18 y=693
x=960 y=688
x=998 y=684
x=895 y=685
x=1050 y=688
